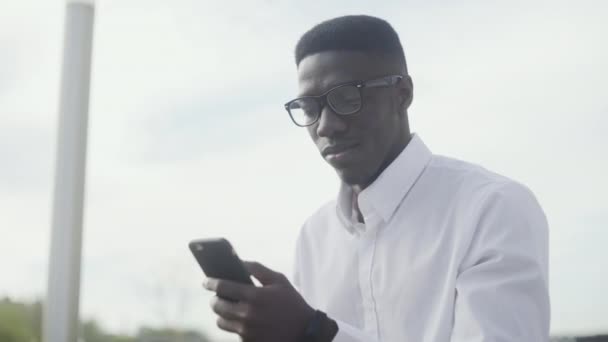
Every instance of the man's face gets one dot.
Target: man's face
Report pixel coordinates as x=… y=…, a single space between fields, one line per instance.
x=357 y=146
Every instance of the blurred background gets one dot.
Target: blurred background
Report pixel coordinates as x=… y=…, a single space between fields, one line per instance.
x=188 y=138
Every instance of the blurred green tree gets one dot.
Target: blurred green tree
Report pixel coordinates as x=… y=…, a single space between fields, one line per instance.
x=22 y=322
x=147 y=334
x=16 y=322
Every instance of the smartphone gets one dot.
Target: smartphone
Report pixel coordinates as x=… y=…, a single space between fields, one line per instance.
x=218 y=260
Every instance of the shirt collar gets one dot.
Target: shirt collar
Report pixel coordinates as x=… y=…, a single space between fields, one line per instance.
x=379 y=200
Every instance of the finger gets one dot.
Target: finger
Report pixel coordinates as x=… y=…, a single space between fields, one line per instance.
x=229 y=325
x=229 y=289
x=229 y=309
x=265 y=275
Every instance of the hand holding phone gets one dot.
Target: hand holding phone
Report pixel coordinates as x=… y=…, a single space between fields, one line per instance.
x=278 y=304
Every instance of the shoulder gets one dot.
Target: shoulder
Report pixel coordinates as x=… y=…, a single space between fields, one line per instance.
x=481 y=195
x=473 y=181
x=319 y=221
x=459 y=170
x=498 y=217
x=501 y=214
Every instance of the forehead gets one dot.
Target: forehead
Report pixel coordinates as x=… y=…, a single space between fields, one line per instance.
x=321 y=71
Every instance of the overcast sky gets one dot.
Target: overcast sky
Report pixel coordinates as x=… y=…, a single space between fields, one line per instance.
x=188 y=138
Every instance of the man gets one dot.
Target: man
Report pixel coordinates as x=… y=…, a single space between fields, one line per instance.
x=416 y=247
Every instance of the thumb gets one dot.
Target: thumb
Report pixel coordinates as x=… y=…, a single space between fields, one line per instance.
x=265 y=275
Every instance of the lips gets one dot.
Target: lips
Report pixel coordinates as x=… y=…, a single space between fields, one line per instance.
x=337 y=148
x=338 y=152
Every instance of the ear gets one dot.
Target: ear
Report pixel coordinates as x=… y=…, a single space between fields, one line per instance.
x=406 y=92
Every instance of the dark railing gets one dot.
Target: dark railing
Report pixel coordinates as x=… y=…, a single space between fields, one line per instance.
x=597 y=338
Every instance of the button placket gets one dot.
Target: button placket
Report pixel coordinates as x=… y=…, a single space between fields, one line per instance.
x=366 y=258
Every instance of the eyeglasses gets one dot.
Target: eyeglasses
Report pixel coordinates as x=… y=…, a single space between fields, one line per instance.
x=344 y=99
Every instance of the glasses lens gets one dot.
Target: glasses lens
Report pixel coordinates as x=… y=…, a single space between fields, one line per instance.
x=304 y=111
x=345 y=100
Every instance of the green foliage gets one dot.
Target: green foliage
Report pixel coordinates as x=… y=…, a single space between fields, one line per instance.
x=169 y=334
x=17 y=322
x=91 y=332
x=21 y=322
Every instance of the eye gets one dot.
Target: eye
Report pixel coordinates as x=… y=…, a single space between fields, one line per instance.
x=304 y=111
x=345 y=100
x=345 y=94
x=307 y=105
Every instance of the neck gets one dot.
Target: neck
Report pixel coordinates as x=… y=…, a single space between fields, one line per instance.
x=392 y=155
x=358 y=188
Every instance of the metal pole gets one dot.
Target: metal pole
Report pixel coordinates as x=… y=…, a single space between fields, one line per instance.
x=62 y=299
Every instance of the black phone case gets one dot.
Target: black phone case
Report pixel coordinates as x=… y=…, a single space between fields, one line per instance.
x=218 y=260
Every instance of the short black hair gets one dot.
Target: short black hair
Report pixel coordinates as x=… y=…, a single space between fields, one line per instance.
x=351 y=33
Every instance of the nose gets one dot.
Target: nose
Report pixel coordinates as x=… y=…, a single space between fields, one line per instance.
x=330 y=123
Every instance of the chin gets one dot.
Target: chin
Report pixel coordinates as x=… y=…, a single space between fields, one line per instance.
x=352 y=177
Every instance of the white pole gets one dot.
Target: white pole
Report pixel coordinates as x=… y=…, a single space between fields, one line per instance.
x=61 y=305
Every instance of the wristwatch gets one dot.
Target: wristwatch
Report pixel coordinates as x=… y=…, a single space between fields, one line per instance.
x=315 y=330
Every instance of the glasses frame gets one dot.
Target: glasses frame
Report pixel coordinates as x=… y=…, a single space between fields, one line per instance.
x=386 y=81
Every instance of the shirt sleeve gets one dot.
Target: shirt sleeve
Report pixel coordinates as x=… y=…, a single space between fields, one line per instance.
x=348 y=333
x=502 y=289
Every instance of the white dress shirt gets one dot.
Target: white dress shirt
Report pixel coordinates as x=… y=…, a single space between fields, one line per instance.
x=449 y=252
